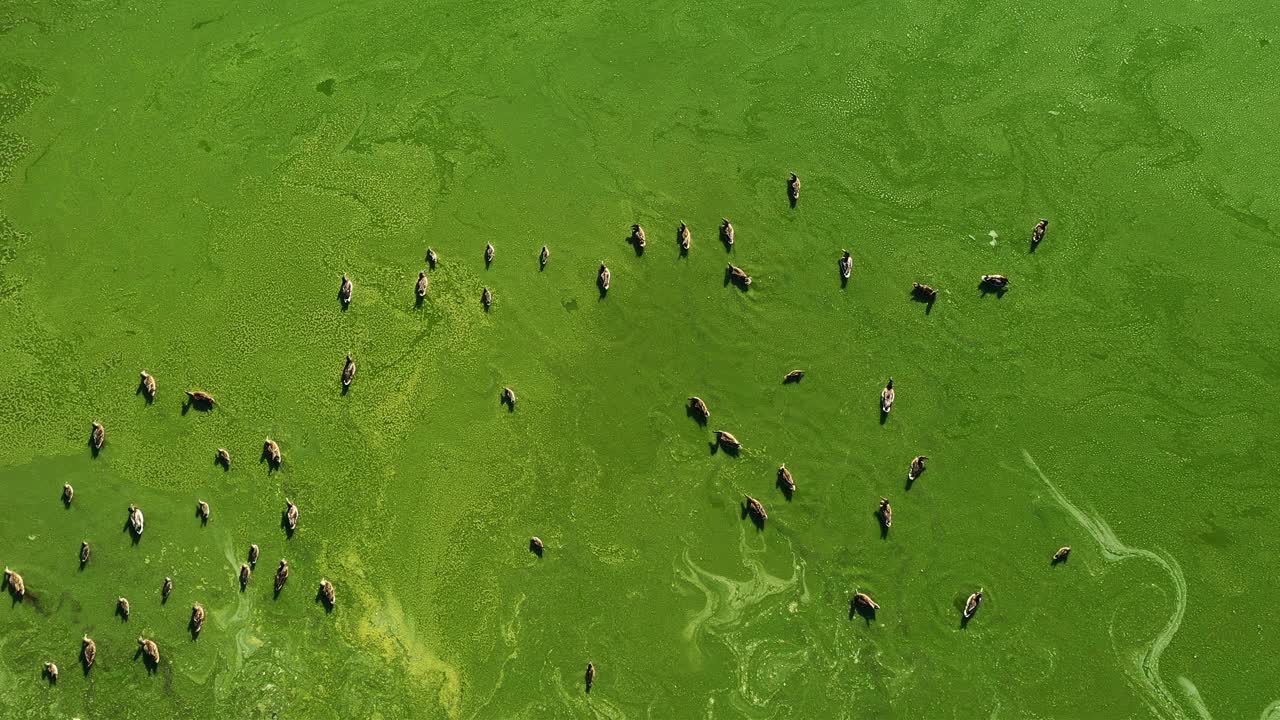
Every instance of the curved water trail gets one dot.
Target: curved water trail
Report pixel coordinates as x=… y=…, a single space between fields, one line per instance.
x=1148 y=678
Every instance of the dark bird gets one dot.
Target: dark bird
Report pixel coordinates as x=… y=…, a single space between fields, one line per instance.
x=739 y=276
x=137 y=522
x=637 y=237
x=98 y=436
x=421 y=288
x=348 y=371
x=282 y=575
x=924 y=292
x=197 y=618
x=995 y=282
x=17 y=587
x=604 y=277
x=543 y=257
x=344 y=290
x=699 y=408
x=488 y=254
x=787 y=482
x=917 y=468
x=793 y=189
x=685 y=238
x=846 y=265
x=68 y=492
x=794 y=376
x=245 y=575
x=271 y=449
x=149 y=385
x=224 y=458
x=536 y=546
x=150 y=650
x=886 y=514
x=290 y=515
x=508 y=397
x=88 y=652
x=887 y=397
x=726 y=233
x=727 y=441
x=1061 y=555
x=328 y=594
x=202 y=509
x=165 y=589
x=591 y=676
x=486 y=299
x=84 y=553
x=1037 y=233
x=971 y=605
x=756 y=509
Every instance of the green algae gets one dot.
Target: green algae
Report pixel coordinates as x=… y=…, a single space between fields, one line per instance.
x=186 y=202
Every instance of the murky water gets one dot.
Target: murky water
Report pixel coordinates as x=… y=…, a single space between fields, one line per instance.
x=184 y=185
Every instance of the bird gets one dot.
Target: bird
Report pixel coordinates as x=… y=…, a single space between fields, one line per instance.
x=88 y=652
x=84 y=553
x=971 y=605
x=328 y=594
x=348 y=371
x=488 y=254
x=1061 y=555
x=98 y=437
x=344 y=290
x=591 y=676
x=197 y=618
x=421 y=288
x=290 y=515
x=245 y=575
x=165 y=589
x=68 y=492
x=149 y=385
x=122 y=608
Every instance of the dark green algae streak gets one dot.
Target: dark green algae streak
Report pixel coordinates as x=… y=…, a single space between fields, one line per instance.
x=184 y=184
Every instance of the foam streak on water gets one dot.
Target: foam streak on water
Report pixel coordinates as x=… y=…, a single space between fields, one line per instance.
x=1148 y=678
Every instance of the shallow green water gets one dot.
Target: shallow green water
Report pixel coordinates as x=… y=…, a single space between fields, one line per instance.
x=184 y=184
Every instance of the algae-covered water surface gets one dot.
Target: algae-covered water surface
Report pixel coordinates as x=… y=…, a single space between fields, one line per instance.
x=182 y=186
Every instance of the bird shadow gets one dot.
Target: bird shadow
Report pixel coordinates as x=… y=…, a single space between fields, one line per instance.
x=134 y=537
x=93 y=450
x=324 y=602
x=203 y=520
x=884 y=529
x=925 y=299
x=755 y=519
x=789 y=380
x=884 y=415
x=121 y=614
x=844 y=281
x=1034 y=244
x=1056 y=561
x=194 y=404
x=910 y=481
x=636 y=246
x=787 y=492
x=866 y=612
x=697 y=416
x=284 y=524
x=146 y=660
x=417 y=299
x=142 y=390
x=345 y=389
x=272 y=465
x=194 y=629
x=344 y=304
x=988 y=289
x=793 y=201
x=726 y=449
x=217 y=460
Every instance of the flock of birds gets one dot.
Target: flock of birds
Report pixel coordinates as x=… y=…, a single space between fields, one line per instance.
x=136 y=525
x=861 y=602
